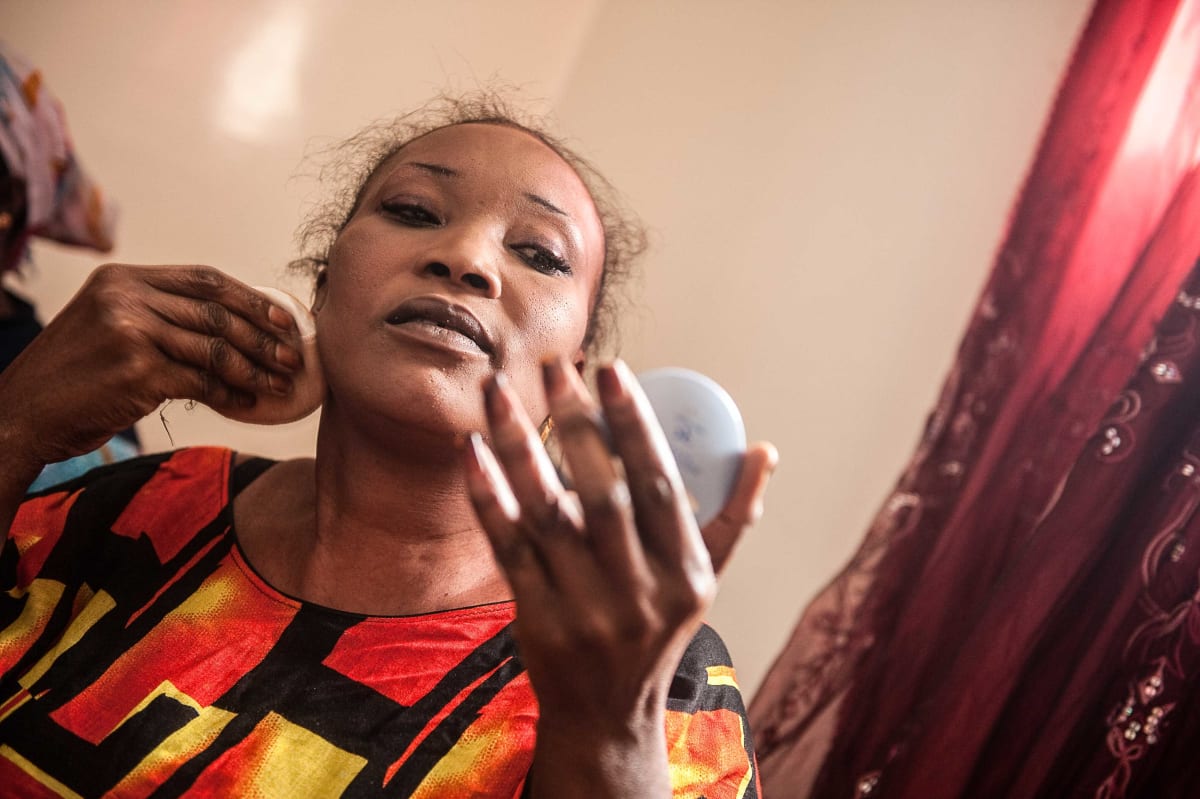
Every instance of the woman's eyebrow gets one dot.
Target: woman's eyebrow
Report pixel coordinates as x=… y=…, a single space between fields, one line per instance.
x=436 y=169
x=542 y=201
x=445 y=171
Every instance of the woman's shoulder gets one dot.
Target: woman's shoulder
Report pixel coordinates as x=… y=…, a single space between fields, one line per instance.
x=150 y=492
x=705 y=670
x=164 y=500
x=187 y=466
x=705 y=680
x=708 y=733
x=180 y=463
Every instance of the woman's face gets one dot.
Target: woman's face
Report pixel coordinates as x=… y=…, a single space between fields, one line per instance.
x=474 y=249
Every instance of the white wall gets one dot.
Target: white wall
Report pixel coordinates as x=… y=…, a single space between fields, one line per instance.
x=826 y=181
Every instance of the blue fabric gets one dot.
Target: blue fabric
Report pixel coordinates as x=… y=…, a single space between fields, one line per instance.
x=118 y=448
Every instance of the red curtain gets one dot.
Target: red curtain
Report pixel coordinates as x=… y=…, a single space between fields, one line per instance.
x=1023 y=617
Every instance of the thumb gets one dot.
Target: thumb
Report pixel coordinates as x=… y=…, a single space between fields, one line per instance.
x=744 y=506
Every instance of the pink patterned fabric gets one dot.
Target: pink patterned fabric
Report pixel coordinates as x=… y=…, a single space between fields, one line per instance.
x=61 y=201
x=1022 y=619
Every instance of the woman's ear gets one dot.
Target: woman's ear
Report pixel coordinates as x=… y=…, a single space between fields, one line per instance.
x=320 y=291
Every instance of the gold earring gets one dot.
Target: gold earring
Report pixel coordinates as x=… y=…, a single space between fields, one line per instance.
x=545 y=428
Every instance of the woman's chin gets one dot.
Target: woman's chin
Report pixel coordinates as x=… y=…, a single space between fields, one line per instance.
x=423 y=411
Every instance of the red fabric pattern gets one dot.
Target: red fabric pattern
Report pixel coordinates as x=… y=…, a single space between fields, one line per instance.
x=35 y=549
x=375 y=654
x=160 y=521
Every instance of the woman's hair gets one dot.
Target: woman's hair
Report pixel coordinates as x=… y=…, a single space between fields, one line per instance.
x=356 y=160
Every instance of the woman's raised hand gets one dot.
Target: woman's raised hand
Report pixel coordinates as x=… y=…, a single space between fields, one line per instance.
x=130 y=339
x=611 y=581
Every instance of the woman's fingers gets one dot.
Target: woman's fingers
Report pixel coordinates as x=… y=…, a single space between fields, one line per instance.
x=500 y=514
x=548 y=518
x=664 y=516
x=206 y=283
x=603 y=493
x=226 y=310
x=204 y=386
x=744 y=507
x=229 y=332
x=216 y=356
x=135 y=336
x=633 y=535
x=267 y=348
x=202 y=320
x=522 y=458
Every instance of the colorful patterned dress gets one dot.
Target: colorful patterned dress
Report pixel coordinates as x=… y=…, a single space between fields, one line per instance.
x=141 y=656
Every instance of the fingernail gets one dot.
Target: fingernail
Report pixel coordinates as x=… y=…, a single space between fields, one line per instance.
x=553 y=378
x=279 y=317
x=772 y=461
x=287 y=357
x=474 y=449
x=279 y=384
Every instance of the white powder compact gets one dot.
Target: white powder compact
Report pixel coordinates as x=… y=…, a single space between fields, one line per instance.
x=704 y=430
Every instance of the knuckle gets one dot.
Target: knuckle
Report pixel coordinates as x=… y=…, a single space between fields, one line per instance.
x=548 y=515
x=218 y=354
x=120 y=324
x=216 y=316
x=264 y=342
x=656 y=489
x=593 y=630
x=108 y=274
x=689 y=598
x=258 y=303
x=139 y=365
x=203 y=280
x=611 y=503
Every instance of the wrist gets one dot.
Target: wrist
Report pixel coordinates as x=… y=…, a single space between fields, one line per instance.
x=19 y=465
x=626 y=729
x=577 y=757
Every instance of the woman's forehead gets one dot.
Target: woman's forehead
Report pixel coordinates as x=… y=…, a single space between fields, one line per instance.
x=491 y=150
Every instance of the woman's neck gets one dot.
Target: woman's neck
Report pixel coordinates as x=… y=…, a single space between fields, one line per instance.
x=370 y=529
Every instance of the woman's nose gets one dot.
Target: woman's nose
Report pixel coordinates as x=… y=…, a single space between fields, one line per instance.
x=471 y=260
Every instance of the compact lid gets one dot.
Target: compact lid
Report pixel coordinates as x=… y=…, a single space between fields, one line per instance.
x=704 y=430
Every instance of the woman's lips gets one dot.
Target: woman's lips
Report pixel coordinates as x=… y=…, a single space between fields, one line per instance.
x=435 y=319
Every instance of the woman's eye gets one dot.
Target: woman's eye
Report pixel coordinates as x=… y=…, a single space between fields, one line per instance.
x=411 y=213
x=542 y=259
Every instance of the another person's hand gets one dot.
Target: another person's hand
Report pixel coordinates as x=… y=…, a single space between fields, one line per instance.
x=611 y=582
x=130 y=339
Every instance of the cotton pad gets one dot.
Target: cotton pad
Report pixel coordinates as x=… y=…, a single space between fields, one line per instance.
x=308 y=385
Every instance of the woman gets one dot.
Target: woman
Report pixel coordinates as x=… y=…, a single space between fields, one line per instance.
x=345 y=625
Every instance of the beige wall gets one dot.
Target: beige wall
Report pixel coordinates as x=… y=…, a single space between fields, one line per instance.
x=826 y=181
